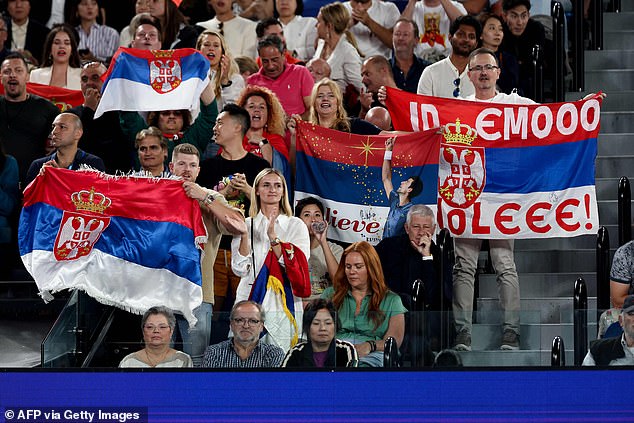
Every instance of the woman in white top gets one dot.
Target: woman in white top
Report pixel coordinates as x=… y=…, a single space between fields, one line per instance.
x=272 y=229
x=338 y=47
x=300 y=32
x=60 y=64
x=227 y=81
x=158 y=327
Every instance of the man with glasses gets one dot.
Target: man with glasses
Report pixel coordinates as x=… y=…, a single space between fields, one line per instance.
x=244 y=349
x=615 y=351
x=484 y=72
x=448 y=78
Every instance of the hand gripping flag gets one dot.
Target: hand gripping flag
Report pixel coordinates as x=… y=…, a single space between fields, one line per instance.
x=343 y=170
x=510 y=170
x=129 y=242
x=275 y=288
x=148 y=80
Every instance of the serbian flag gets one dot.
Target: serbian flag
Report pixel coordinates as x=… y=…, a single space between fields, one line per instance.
x=148 y=80
x=510 y=170
x=63 y=98
x=129 y=242
x=276 y=288
x=343 y=170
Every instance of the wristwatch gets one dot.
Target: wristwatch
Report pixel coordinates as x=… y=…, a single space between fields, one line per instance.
x=209 y=199
x=275 y=242
x=263 y=142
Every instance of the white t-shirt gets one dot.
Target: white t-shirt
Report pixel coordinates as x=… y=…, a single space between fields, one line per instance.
x=503 y=98
x=300 y=34
x=433 y=25
x=385 y=14
x=438 y=80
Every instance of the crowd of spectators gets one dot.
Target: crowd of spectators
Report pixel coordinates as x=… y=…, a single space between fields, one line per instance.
x=270 y=66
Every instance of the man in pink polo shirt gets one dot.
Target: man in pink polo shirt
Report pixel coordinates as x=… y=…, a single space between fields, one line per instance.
x=291 y=83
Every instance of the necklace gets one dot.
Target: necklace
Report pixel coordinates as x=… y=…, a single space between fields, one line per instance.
x=152 y=363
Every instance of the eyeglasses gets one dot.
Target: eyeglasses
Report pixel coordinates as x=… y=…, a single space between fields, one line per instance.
x=250 y=322
x=152 y=328
x=456 y=83
x=220 y=26
x=480 y=68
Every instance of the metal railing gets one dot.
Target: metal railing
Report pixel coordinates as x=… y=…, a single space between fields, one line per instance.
x=580 y=310
x=603 y=271
x=558 y=353
x=538 y=74
x=596 y=43
x=624 y=211
x=559 y=69
x=578 y=48
x=445 y=243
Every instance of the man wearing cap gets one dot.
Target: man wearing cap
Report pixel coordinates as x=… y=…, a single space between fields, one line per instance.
x=615 y=351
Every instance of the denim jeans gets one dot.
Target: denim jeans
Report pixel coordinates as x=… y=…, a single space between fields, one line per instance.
x=196 y=339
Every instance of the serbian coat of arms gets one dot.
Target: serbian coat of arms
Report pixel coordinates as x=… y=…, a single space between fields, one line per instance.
x=165 y=71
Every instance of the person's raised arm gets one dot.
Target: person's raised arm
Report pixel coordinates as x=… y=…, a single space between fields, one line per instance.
x=408 y=12
x=386 y=169
x=452 y=11
x=331 y=261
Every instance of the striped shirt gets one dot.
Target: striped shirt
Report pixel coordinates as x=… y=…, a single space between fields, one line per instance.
x=102 y=41
x=223 y=355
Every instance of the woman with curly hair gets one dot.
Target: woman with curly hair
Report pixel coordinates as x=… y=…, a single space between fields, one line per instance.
x=368 y=311
x=227 y=81
x=61 y=66
x=266 y=134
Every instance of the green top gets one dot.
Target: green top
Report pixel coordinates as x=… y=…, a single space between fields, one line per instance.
x=360 y=328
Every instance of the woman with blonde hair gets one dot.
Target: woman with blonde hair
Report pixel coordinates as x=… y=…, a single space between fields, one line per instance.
x=338 y=46
x=265 y=137
x=272 y=236
x=227 y=81
x=368 y=311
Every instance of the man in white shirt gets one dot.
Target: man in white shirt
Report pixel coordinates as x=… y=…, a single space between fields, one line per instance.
x=484 y=72
x=371 y=24
x=23 y=33
x=237 y=31
x=448 y=78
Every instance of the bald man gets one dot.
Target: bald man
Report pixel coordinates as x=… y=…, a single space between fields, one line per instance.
x=379 y=117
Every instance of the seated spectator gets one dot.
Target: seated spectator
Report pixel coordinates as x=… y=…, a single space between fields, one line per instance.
x=379 y=117
x=60 y=62
x=300 y=31
x=238 y=31
x=152 y=150
x=247 y=67
x=339 y=48
x=256 y=10
x=274 y=234
x=227 y=81
x=448 y=78
x=24 y=35
x=376 y=72
x=147 y=32
x=102 y=41
x=369 y=312
x=324 y=255
x=371 y=25
x=291 y=83
x=271 y=26
x=615 y=351
x=245 y=348
x=622 y=274
x=491 y=38
x=265 y=136
x=177 y=125
x=158 y=325
x=434 y=18
x=401 y=199
x=406 y=66
x=520 y=36
x=175 y=31
x=65 y=135
x=127 y=34
x=102 y=136
x=327 y=110
x=318 y=68
x=321 y=349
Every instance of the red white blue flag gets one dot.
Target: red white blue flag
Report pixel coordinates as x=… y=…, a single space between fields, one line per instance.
x=129 y=242
x=510 y=170
x=344 y=171
x=148 y=80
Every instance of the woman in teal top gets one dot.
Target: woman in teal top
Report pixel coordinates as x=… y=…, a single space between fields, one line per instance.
x=368 y=311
